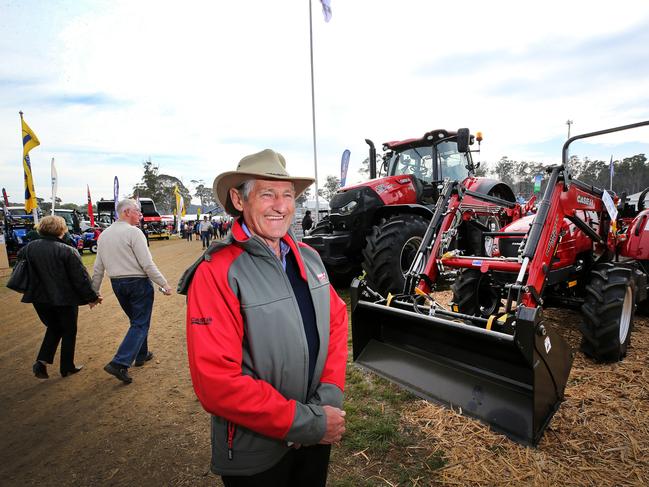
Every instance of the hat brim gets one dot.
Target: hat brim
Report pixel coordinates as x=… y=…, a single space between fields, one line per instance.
x=233 y=179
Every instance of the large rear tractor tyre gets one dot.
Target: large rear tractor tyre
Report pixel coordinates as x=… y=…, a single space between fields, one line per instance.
x=608 y=313
x=474 y=294
x=391 y=247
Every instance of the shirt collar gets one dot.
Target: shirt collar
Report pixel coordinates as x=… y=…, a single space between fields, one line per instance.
x=284 y=248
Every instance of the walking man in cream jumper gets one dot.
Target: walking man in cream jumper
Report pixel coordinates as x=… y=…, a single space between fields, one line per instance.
x=123 y=254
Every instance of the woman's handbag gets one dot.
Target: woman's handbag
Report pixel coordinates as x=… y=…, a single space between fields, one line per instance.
x=19 y=279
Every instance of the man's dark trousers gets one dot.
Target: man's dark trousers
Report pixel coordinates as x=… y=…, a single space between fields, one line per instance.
x=306 y=466
x=135 y=296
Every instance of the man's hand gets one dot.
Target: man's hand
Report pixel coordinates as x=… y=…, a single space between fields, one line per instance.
x=95 y=303
x=166 y=290
x=335 y=425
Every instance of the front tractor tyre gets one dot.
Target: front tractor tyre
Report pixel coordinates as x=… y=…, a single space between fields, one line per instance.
x=474 y=294
x=391 y=247
x=608 y=311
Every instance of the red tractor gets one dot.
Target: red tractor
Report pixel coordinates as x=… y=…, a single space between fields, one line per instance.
x=492 y=354
x=378 y=225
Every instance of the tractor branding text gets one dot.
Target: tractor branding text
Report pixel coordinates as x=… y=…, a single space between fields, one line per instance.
x=553 y=237
x=585 y=200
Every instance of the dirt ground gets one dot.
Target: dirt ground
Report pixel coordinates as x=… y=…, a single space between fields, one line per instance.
x=91 y=430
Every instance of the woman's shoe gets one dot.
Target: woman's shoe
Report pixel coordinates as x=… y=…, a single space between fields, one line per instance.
x=40 y=370
x=65 y=373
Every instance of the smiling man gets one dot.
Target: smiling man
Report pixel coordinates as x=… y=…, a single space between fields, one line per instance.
x=266 y=336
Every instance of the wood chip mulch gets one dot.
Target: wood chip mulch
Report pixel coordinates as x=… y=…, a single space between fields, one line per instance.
x=599 y=436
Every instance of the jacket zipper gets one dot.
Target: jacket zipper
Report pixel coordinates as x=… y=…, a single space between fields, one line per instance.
x=231 y=428
x=278 y=263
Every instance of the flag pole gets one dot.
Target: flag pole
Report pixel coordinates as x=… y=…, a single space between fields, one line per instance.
x=315 y=152
x=54 y=185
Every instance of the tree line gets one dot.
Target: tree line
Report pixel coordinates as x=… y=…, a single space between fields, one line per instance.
x=630 y=174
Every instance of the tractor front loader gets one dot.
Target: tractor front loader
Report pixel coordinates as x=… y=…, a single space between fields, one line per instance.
x=492 y=355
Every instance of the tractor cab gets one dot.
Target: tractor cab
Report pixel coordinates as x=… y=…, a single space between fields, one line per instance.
x=430 y=159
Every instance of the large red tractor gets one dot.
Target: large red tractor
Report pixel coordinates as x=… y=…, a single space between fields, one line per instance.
x=378 y=225
x=492 y=354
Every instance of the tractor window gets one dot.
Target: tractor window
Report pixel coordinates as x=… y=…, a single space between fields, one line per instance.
x=416 y=161
x=451 y=162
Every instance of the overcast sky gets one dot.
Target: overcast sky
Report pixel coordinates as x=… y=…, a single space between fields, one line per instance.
x=195 y=86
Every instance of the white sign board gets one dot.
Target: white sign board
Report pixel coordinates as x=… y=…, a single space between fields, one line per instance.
x=610 y=206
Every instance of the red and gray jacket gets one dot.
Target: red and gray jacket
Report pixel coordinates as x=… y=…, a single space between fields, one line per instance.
x=248 y=353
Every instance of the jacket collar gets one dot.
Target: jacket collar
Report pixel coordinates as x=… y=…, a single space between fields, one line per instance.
x=256 y=246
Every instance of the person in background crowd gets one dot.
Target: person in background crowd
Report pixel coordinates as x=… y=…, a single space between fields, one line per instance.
x=307 y=222
x=189 y=231
x=266 y=336
x=206 y=232
x=122 y=253
x=213 y=222
x=58 y=284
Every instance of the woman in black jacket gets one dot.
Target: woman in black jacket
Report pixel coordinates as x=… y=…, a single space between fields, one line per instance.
x=58 y=284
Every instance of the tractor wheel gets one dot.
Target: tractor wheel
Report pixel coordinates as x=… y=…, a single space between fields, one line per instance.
x=341 y=277
x=390 y=249
x=93 y=248
x=474 y=294
x=608 y=313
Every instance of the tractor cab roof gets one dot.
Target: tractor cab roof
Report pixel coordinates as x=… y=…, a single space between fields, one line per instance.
x=428 y=139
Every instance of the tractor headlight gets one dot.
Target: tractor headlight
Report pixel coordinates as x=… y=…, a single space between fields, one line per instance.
x=489 y=246
x=348 y=208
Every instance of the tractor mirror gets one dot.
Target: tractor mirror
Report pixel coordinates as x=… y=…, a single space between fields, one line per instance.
x=463 y=137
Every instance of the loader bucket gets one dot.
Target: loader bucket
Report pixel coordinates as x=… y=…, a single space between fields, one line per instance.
x=514 y=383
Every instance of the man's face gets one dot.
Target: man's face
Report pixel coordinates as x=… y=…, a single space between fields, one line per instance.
x=131 y=216
x=269 y=210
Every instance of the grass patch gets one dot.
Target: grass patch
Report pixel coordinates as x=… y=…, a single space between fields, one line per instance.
x=88 y=258
x=378 y=445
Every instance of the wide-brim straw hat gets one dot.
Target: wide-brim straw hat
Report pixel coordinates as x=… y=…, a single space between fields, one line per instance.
x=267 y=165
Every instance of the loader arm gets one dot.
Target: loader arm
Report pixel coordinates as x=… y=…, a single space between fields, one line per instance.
x=564 y=201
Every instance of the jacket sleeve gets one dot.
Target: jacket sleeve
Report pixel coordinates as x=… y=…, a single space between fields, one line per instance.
x=214 y=346
x=79 y=277
x=332 y=382
x=98 y=272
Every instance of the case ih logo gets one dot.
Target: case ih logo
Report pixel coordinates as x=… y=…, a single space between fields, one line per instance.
x=553 y=236
x=584 y=200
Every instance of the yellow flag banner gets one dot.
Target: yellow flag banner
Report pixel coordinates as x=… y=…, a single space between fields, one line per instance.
x=29 y=142
x=180 y=202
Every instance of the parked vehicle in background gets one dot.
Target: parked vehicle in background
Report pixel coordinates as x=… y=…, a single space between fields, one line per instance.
x=155 y=227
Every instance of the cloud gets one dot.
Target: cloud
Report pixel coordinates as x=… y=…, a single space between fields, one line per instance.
x=106 y=85
x=87 y=99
